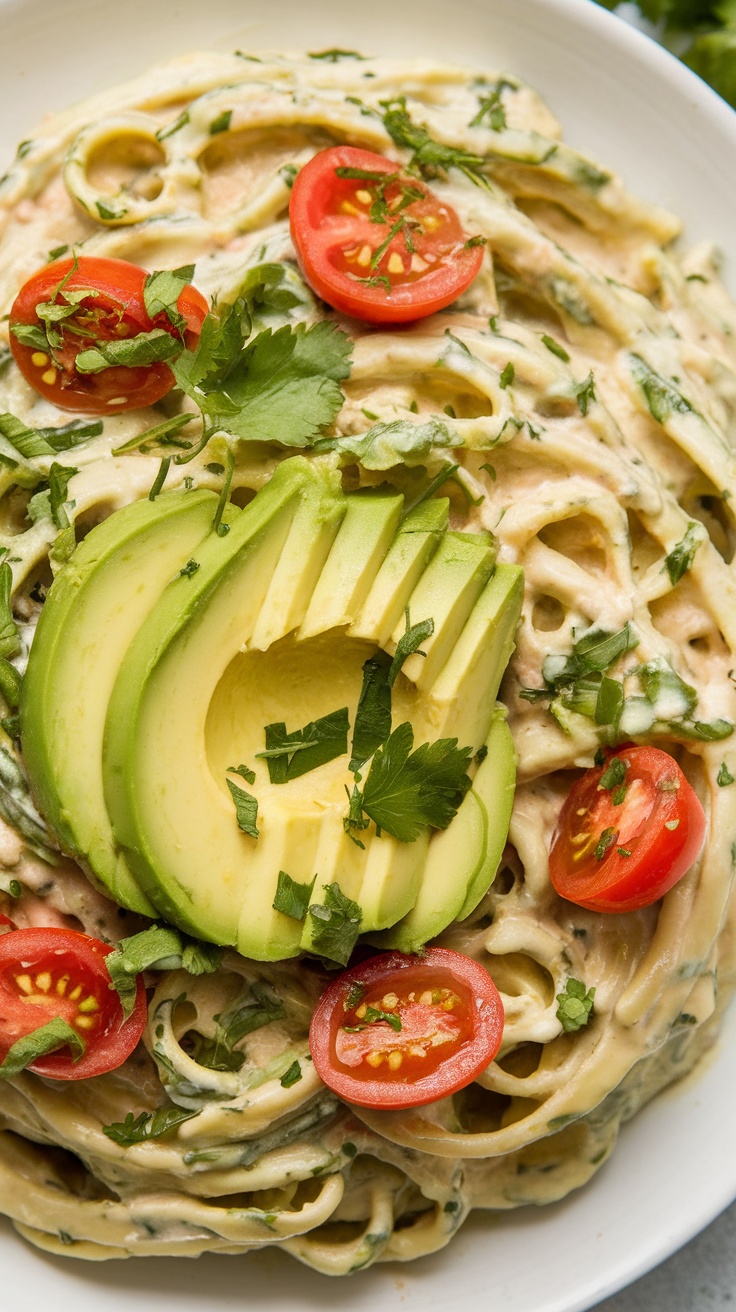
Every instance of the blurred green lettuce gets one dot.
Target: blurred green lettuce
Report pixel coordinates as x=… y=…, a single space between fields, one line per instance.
x=702 y=33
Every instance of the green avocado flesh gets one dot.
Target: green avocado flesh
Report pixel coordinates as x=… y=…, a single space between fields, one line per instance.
x=275 y=627
x=91 y=615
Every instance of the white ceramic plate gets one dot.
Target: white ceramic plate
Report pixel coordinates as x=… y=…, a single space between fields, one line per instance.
x=635 y=109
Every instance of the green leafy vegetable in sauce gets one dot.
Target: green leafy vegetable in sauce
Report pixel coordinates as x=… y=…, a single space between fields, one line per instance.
x=575 y=1006
x=146 y=1126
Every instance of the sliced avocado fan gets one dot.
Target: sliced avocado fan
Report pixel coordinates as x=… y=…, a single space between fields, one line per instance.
x=254 y=696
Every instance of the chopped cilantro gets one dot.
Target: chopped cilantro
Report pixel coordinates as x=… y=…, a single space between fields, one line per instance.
x=606 y=840
x=661 y=397
x=354 y=996
x=335 y=925
x=161 y=292
x=373 y=715
x=292 y=1076
x=160 y=947
x=613 y=775
x=430 y=158
x=189 y=570
x=292 y=898
x=680 y=558
x=585 y=393
x=555 y=348
x=507 y=376
x=244 y=771
x=246 y=809
x=724 y=777
x=289 y=755
x=333 y=55
x=221 y=123
x=409 y=644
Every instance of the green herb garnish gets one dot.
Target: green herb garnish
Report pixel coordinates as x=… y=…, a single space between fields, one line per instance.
x=575 y=1006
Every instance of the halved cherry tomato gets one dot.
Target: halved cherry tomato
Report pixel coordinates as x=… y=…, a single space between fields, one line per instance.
x=628 y=830
x=114 y=310
x=400 y=1031
x=378 y=245
x=47 y=973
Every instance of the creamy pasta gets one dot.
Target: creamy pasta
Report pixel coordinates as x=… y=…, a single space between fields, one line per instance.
x=585 y=389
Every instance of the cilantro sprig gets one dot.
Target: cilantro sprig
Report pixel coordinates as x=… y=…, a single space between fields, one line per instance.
x=429 y=158
x=406 y=790
x=147 y=1125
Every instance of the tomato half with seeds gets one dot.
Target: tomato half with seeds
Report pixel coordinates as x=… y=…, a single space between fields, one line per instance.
x=113 y=310
x=375 y=242
x=628 y=830
x=47 y=973
x=401 y=1031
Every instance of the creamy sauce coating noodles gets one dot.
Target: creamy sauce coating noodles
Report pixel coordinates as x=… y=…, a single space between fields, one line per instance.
x=607 y=446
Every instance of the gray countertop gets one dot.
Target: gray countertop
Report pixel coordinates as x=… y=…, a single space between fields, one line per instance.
x=701 y=1277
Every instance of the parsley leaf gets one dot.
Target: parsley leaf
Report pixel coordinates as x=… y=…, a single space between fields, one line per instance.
x=355 y=821
x=576 y=1006
x=289 y=755
x=292 y=898
x=47 y=1038
x=406 y=790
x=335 y=925
x=724 y=776
x=149 y=1125
x=246 y=809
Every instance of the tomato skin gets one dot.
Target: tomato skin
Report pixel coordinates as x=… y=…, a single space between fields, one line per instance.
x=118 y=284
x=66 y=954
x=658 y=795
x=321 y=231
x=446 y=1067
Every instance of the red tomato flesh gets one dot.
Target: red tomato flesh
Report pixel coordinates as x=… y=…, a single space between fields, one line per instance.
x=446 y=1026
x=114 y=310
x=382 y=248
x=47 y=973
x=623 y=846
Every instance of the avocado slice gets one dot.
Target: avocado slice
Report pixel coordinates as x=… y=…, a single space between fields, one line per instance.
x=409 y=554
x=172 y=814
x=471 y=847
x=446 y=593
x=362 y=542
x=93 y=610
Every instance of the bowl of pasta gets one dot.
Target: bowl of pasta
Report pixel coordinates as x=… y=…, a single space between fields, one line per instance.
x=370 y=371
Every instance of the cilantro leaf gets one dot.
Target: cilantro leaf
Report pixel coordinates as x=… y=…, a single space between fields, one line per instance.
x=408 y=644
x=724 y=777
x=221 y=123
x=149 y=1125
x=246 y=809
x=398 y=442
x=292 y=898
x=355 y=821
x=161 y=292
x=143 y=349
x=373 y=715
x=585 y=393
x=157 y=948
x=244 y=771
x=220 y=1053
x=289 y=755
x=335 y=925
x=47 y=1038
x=596 y=650
x=555 y=348
x=406 y=790
x=575 y=1006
